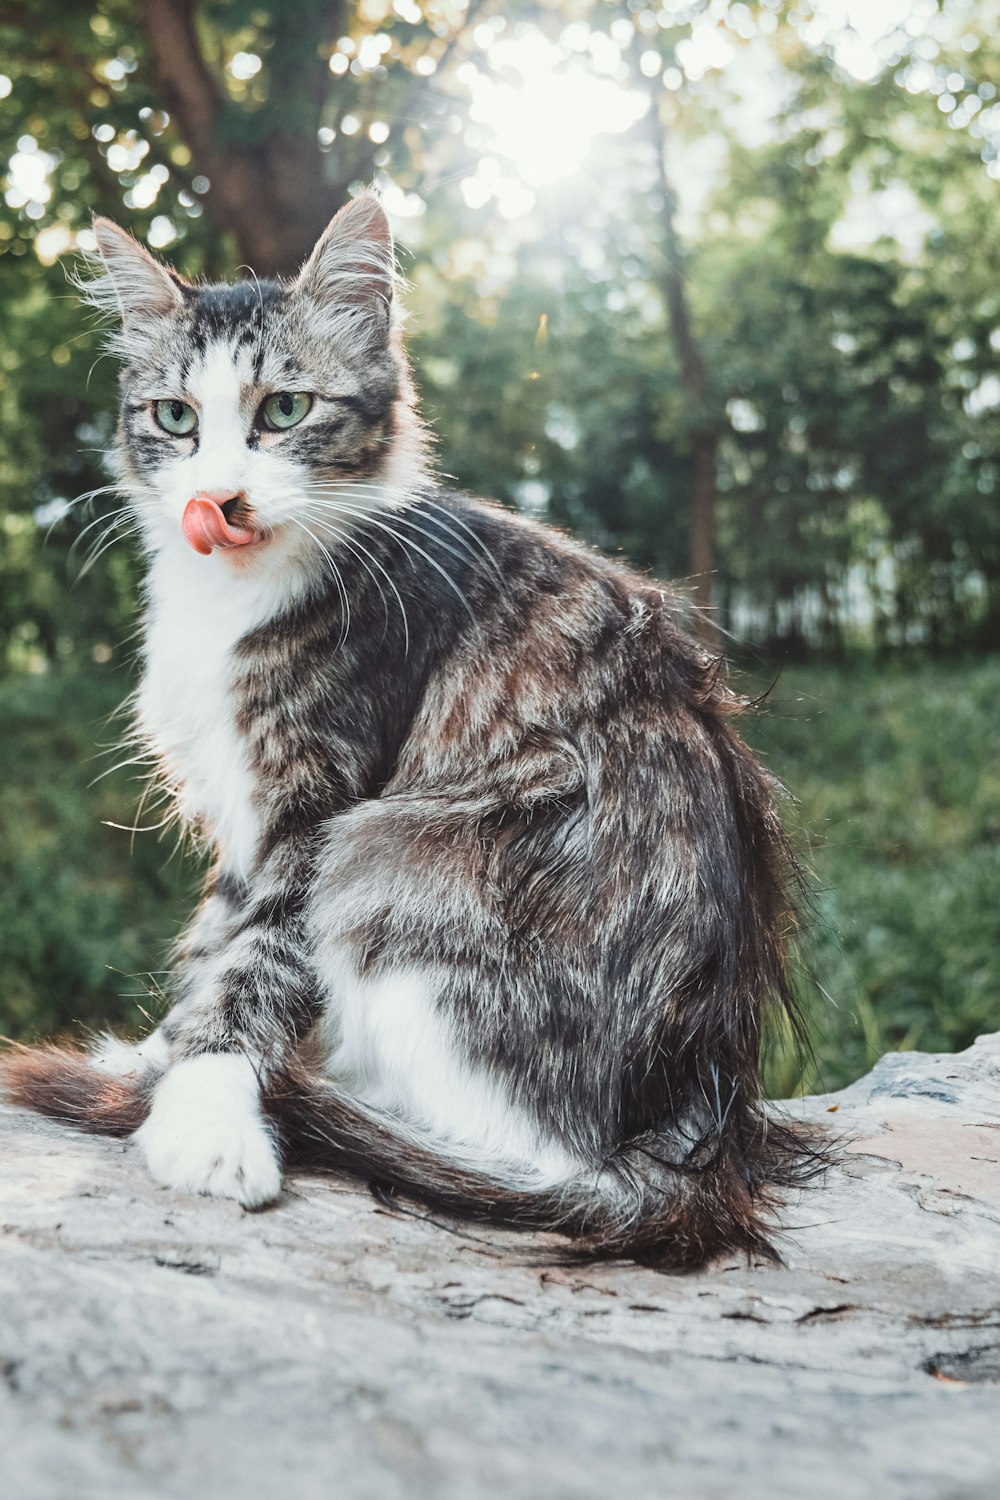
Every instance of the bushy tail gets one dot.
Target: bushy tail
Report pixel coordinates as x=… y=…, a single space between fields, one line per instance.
x=63 y=1084
x=657 y=1200
x=650 y=1201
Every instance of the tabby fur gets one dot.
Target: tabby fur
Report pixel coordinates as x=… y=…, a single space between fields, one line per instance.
x=499 y=907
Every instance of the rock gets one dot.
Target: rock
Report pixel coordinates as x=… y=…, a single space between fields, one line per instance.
x=154 y=1345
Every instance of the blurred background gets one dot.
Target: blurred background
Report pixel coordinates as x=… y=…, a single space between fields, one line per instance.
x=714 y=285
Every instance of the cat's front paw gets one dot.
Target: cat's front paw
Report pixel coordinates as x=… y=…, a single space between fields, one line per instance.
x=206 y=1133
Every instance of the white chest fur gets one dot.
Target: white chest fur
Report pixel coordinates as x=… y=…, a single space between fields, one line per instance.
x=199 y=608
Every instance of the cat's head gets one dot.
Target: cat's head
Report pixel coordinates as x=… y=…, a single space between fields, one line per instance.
x=258 y=415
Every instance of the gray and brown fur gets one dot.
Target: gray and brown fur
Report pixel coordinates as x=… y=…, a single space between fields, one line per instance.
x=515 y=770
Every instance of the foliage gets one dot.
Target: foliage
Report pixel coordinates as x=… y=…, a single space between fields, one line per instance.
x=86 y=911
x=159 y=112
x=55 y=418
x=894 y=773
x=545 y=402
x=859 y=449
x=841 y=270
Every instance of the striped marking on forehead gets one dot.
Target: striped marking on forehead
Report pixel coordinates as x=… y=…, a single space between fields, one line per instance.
x=242 y=317
x=227 y=371
x=234 y=312
x=221 y=378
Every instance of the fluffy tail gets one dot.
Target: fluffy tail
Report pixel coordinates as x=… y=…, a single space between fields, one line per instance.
x=64 y=1084
x=662 y=1199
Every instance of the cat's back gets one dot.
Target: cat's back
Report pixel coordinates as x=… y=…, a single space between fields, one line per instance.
x=555 y=641
x=548 y=606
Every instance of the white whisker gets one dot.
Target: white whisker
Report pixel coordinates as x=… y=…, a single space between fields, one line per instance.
x=365 y=557
x=364 y=517
x=345 y=601
x=404 y=518
x=113 y=533
x=113 y=519
x=445 y=519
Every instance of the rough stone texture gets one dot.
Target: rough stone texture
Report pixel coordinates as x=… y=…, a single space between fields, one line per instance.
x=153 y=1345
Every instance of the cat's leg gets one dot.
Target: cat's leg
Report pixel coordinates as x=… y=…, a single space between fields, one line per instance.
x=540 y=990
x=244 y=1005
x=202 y=939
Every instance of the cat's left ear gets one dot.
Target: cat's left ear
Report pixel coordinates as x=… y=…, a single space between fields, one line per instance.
x=352 y=264
x=137 y=287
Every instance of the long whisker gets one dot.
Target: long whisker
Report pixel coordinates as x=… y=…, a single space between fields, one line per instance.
x=481 y=545
x=115 y=487
x=114 y=518
x=107 y=539
x=340 y=536
x=397 y=493
x=86 y=499
x=366 y=518
x=342 y=591
x=403 y=518
x=365 y=557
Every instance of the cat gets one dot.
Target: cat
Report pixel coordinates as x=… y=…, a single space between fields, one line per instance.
x=499 y=905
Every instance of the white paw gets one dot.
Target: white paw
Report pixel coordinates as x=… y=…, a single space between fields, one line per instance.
x=121 y=1059
x=206 y=1133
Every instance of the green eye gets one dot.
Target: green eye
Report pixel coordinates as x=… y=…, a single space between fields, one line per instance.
x=176 y=417
x=286 y=409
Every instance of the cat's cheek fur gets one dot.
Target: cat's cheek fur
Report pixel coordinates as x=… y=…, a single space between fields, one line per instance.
x=206 y=1133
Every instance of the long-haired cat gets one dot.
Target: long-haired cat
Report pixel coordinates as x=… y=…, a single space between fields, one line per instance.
x=498 y=906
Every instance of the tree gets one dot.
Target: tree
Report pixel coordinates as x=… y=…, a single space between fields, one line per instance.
x=862 y=437
x=702 y=426
x=262 y=117
x=735 y=393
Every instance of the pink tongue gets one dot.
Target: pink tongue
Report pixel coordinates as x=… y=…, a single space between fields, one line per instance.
x=206 y=527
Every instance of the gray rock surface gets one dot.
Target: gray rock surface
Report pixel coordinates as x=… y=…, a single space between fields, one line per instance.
x=153 y=1345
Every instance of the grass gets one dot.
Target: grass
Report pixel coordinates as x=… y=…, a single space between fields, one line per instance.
x=86 y=911
x=896 y=775
x=894 y=770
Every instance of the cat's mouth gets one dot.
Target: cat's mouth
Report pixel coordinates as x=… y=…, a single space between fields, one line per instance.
x=211 y=521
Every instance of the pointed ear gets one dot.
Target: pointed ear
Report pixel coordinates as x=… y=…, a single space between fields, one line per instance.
x=352 y=264
x=137 y=286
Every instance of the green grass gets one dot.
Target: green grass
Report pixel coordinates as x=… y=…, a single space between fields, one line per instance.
x=86 y=911
x=894 y=768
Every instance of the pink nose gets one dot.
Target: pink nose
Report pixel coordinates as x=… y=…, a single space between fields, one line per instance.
x=205 y=525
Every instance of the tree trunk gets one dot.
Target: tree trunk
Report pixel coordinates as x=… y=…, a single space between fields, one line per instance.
x=703 y=439
x=273 y=192
x=272 y=188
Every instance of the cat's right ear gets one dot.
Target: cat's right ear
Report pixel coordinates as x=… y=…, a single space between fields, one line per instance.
x=135 y=285
x=352 y=267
